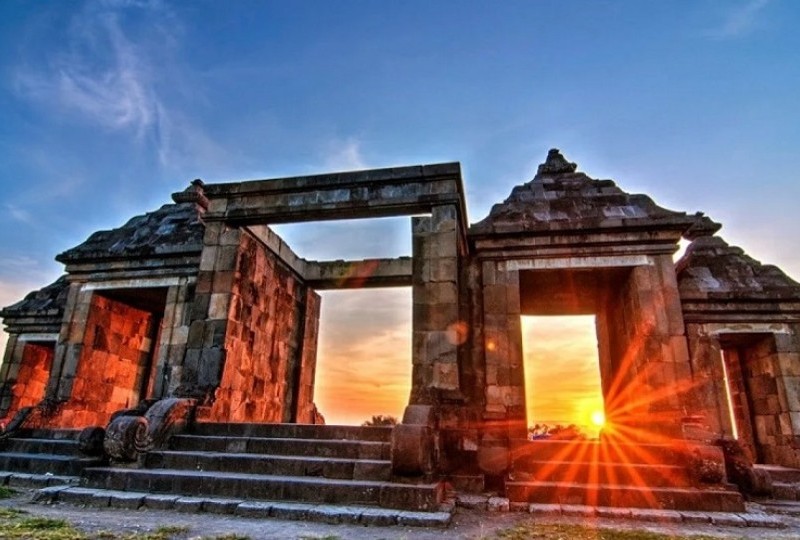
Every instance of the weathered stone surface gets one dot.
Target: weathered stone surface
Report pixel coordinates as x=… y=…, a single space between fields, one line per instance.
x=202 y=300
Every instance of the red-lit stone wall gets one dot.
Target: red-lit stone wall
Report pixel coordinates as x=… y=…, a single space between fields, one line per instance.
x=116 y=346
x=263 y=339
x=31 y=380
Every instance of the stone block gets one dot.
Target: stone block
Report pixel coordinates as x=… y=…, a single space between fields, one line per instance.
x=498 y=504
x=578 y=510
x=607 y=512
x=378 y=517
x=335 y=514
x=412 y=450
x=125 y=499
x=545 y=510
x=254 y=509
x=160 y=502
x=423 y=519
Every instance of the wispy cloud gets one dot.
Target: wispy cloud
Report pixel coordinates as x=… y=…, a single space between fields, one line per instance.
x=19 y=214
x=739 y=20
x=344 y=155
x=119 y=70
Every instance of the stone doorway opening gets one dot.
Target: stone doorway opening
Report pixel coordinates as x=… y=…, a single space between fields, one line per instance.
x=749 y=364
x=364 y=354
x=118 y=365
x=562 y=376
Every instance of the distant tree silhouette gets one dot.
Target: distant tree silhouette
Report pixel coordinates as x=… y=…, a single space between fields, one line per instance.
x=381 y=420
x=558 y=432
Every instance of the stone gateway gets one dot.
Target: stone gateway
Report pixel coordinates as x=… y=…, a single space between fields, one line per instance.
x=177 y=354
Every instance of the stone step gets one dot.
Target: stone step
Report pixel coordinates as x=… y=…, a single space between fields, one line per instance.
x=299 y=431
x=59 y=465
x=349 y=469
x=705 y=500
x=327 y=513
x=634 y=474
x=785 y=475
x=524 y=451
x=41 y=446
x=265 y=487
x=45 y=433
x=28 y=480
x=345 y=449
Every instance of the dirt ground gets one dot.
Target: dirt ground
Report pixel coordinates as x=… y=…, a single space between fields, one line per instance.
x=467 y=524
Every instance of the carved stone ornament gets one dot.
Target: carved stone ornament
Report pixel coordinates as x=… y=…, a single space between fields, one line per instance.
x=128 y=437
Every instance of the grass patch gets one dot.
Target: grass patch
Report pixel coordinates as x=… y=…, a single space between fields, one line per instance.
x=14 y=524
x=531 y=531
x=6 y=492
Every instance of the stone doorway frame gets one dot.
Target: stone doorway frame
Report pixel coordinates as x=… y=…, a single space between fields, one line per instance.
x=432 y=195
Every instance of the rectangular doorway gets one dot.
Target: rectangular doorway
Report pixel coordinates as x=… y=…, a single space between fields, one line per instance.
x=364 y=355
x=562 y=376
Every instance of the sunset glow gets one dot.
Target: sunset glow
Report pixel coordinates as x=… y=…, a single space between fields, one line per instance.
x=562 y=373
x=364 y=354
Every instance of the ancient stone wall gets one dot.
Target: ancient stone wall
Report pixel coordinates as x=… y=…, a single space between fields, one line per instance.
x=26 y=375
x=112 y=372
x=264 y=326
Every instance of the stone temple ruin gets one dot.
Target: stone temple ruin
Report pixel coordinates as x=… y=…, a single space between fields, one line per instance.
x=177 y=354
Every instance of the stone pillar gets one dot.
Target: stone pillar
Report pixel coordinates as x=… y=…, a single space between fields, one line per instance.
x=502 y=331
x=780 y=430
x=70 y=343
x=200 y=373
x=12 y=360
x=174 y=334
x=710 y=399
x=306 y=410
x=654 y=401
x=436 y=327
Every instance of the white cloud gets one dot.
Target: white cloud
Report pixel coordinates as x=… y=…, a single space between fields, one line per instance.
x=19 y=214
x=344 y=155
x=124 y=78
x=739 y=20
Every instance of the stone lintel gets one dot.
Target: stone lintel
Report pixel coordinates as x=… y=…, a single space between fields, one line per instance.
x=36 y=337
x=741 y=312
x=359 y=274
x=137 y=283
x=133 y=268
x=578 y=262
x=371 y=177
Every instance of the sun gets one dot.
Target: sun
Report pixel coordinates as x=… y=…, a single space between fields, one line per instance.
x=598 y=418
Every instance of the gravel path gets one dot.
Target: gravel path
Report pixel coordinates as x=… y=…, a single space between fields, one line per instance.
x=467 y=524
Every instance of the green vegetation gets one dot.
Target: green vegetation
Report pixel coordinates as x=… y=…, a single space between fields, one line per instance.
x=16 y=524
x=380 y=420
x=531 y=531
x=6 y=492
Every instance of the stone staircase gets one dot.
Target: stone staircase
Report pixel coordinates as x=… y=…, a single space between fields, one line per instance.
x=343 y=465
x=594 y=473
x=38 y=457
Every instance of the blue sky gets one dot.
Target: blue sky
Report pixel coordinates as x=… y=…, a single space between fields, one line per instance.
x=107 y=107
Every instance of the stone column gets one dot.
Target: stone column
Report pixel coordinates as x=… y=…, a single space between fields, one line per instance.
x=306 y=412
x=8 y=372
x=174 y=334
x=200 y=372
x=657 y=397
x=502 y=329
x=436 y=327
x=710 y=395
x=784 y=358
x=70 y=343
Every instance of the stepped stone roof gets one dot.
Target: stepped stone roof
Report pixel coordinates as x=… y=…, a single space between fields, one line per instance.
x=48 y=301
x=711 y=269
x=560 y=198
x=170 y=230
